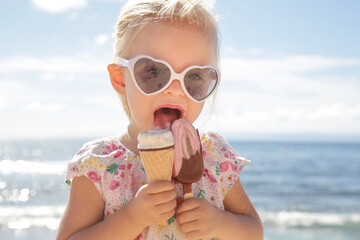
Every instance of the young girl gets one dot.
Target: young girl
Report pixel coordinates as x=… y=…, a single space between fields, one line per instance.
x=165 y=58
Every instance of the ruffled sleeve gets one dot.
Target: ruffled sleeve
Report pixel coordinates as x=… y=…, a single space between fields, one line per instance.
x=224 y=164
x=87 y=163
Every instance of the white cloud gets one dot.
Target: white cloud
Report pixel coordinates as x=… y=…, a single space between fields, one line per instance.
x=16 y=96
x=44 y=107
x=322 y=120
x=295 y=94
x=101 y=39
x=103 y=101
x=229 y=51
x=11 y=93
x=239 y=68
x=58 y=6
x=256 y=51
x=48 y=77
x=84 y=64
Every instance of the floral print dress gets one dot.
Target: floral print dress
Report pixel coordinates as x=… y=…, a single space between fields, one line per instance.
x=118 y=173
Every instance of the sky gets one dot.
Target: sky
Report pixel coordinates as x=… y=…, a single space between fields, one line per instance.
x=290 y=70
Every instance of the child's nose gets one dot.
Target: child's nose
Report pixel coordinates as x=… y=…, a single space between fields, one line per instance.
x=175 y=89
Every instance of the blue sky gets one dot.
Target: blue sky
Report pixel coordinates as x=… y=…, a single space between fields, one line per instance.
x=290 y=69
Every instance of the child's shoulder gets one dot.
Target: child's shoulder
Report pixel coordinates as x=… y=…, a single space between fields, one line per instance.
x=222 y=163
x=214 y=140
x=212 y=137
x=98 y=157
x=217 y=148
x=102 y=148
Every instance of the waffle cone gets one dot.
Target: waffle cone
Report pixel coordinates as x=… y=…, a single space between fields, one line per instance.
x=158 y=163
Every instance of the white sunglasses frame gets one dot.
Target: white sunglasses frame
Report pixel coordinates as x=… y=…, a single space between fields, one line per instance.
x=174 y=75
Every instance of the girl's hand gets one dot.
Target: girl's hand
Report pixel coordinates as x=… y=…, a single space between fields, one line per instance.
x=154 y=203
x=198 y=218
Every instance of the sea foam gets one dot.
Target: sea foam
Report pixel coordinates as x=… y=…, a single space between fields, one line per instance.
x=310 y=219
x=33 y=167
x=31 y=216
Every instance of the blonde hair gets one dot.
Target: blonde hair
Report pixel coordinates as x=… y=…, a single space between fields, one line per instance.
x=136 y=14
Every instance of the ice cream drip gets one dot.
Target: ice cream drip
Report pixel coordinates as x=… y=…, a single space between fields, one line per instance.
x=188 y=160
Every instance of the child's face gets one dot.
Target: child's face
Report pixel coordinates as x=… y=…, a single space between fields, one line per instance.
x=181 y=46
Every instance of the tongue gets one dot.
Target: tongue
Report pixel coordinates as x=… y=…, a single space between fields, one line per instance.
x=164 y=117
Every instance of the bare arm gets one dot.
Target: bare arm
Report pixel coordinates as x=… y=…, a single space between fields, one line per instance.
x=83 y=216
x=240 y=220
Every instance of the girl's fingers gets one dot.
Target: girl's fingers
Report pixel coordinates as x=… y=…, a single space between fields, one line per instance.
x=166 y=207
x=167 y=215
x=163 y=197
x=190 y=226
x=160 y=186
x=186 y=217
x=188 y=205
x=194 y=235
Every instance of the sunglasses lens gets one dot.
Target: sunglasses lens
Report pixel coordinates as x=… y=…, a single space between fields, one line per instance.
x=200 y=82
x=151 y=76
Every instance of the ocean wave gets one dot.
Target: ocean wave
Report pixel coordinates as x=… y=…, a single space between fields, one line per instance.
x=310 y=219
x=8 y=167
x=31 y=216
x=47 y=216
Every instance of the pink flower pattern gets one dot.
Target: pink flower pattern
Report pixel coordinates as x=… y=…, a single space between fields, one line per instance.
x=114 y=185
x=93 y=176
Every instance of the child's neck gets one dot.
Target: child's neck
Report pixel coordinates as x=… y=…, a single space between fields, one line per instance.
x=129 y=140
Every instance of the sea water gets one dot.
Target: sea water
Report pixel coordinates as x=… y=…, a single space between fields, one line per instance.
x=304 y=191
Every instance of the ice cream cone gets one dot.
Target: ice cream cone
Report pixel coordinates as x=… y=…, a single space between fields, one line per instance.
x=158 y=163
x=156 y=149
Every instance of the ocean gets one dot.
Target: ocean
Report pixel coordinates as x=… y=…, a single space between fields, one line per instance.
x=302 y=191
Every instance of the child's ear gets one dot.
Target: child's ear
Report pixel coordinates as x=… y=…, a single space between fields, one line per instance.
x=117 y=78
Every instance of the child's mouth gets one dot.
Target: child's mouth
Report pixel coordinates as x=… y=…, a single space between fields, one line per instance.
x=165 y=116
